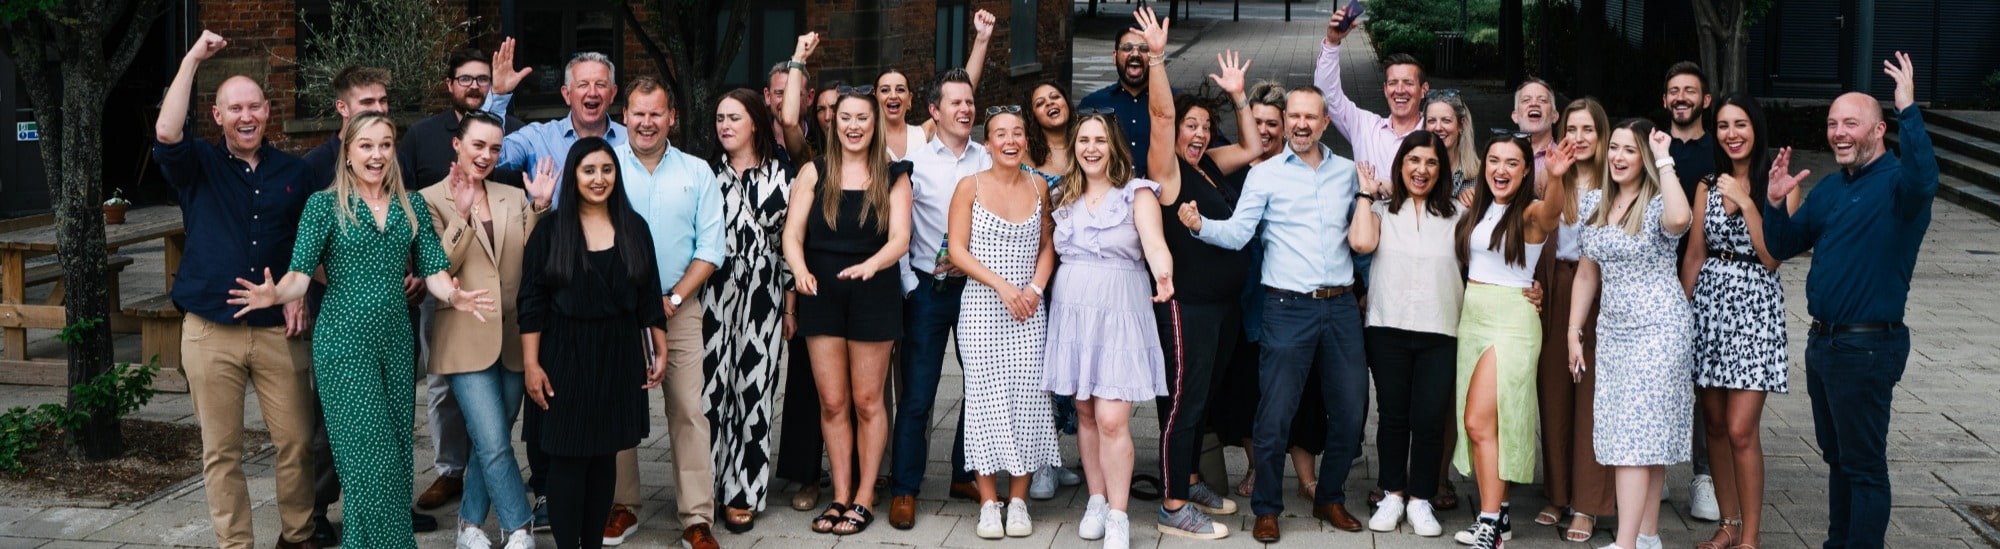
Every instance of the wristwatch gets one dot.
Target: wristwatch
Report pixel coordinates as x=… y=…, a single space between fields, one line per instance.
x=674 y=299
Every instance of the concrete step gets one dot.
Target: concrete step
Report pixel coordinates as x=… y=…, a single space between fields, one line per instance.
x=1966 y=143
x=1983 y=124
x=1954 y=163
x=1973 y=197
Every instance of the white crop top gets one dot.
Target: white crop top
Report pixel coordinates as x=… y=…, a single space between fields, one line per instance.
x=1490 y=265
x=1569 y=240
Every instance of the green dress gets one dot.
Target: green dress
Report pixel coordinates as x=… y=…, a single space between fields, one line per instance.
x=364 y=355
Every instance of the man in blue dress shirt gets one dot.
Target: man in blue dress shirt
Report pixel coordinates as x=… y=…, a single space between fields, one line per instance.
x=1301 y=199
x=590 y=83
x=1864 y=224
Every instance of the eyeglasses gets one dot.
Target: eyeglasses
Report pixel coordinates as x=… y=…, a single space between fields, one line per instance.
x=467 y=80
x=997 y=109
x=1132 y=47
x=854 y=90
x=1507 y=132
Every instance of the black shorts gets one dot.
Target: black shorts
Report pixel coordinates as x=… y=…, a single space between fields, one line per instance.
x=858 y=310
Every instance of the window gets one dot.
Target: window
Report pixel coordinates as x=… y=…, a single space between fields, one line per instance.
x=951 y=34
x=771 y=31
x=550 y=32
x=1021 y=38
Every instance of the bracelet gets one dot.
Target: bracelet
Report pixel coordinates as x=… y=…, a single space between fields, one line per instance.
x=1663 y=163
x=790 y=64
x=1033 y=288
x=1156 y=62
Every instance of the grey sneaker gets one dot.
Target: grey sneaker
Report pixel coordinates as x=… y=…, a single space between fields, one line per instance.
x=1190 y=522
x=1043 y=487
x=1209 y=502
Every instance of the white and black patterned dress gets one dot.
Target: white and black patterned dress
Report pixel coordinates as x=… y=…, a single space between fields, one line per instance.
x=1739 y=311
x=1645 y=389
x=1009 y=421
x=743 y=332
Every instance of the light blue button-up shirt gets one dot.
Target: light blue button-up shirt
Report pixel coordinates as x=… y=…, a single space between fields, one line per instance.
x=525 y=148
x=1304 y=214
x=682 y=204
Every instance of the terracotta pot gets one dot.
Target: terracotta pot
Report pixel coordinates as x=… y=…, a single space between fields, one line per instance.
x=114 y=214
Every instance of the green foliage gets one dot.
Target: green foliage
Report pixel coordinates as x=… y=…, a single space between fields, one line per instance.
x=1411 y=26
x=410 y=38
x=14 y=10
x=119 y=391
x=74 y=333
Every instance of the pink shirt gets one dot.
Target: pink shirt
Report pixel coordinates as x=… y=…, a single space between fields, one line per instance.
x=1374 y=140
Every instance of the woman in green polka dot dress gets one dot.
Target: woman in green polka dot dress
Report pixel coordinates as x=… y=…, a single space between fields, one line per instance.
x=364 y=231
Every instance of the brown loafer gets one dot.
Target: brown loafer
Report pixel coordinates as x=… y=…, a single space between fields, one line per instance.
x=698 y=537
x=1266 y=529
x=442 y=491
x=807 y=498
x=1336 y=514
x=965 y=491
x=307 y=544
x=903 y=512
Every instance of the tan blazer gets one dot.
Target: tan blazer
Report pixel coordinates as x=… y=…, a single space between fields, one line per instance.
x=461 y=343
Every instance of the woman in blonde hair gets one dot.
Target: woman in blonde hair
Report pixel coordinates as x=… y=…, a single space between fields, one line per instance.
x=1645 y=396
x=364 y=231
x=1446 y=115
x=847 y=224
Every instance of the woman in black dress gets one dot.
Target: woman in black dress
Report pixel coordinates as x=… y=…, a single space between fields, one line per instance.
x=588 y=306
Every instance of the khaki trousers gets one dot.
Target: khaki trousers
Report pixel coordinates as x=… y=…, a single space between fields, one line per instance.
x=219 y=360
x=687 y=426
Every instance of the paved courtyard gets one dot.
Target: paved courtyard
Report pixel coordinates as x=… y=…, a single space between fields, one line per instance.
x=1941 y=451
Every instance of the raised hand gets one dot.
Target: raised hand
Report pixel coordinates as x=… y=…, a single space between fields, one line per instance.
x=1905 y=74
x=542 y=186
x=1782 y=180
x=1369 y=185
x=807 y=43
x=1333 y=25
x=505 y=78
x=1190 y=216
x=464 y=194
x=982 y=23
x=1233 y=67
x=207 y=46
x=254 y=296
x=1562 y=157
x=1154 y=30
x=1659 y=142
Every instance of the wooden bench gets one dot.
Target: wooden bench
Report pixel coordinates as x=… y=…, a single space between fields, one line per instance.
x=159 y=330
x=53 y=272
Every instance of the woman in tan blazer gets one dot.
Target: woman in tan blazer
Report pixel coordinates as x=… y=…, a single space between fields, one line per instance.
x=484 y=226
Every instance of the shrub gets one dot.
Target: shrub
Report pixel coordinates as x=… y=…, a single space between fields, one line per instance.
x=1411 y=26
x=410 y=38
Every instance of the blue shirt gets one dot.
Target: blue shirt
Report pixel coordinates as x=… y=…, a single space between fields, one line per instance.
x=523 y=150
x=682 y=204
x=1864 y=226
x=1133 y=119
x=1303 y=213
x=240 y=221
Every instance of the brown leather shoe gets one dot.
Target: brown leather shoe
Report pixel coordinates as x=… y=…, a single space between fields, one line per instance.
x=1266 y=529
x=903 y=512
x=442 y=491
x=698 y=537
x=1336 y=515
x=307 y=544
x=965 y=491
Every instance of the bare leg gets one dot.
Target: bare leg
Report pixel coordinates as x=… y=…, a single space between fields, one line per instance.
x=1482 y=425
x=1086 y=445
x=1721 y=460
x=1746 y=411
x=1635 y=486
x=1114 y=450
x=870 y=371
x=988 y=491
x=1307 y=467
x=829 y=366
x=1017 y=487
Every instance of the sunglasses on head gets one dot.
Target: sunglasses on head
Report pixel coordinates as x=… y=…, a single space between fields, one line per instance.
x=854 y=90
x=1507 y=132
x=487 y=116
x=997 y=109
x=1447 y=93
x=1096 y=111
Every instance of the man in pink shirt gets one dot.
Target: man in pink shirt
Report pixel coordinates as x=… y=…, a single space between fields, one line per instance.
x=1374 y=137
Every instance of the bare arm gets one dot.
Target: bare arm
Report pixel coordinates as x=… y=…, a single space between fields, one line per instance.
x=1364 y=232
x=1146 y=218
x=982 y=33
x=1546 y=213
x=174 y=107
x=1583 y=294
x=795 y=229
x=1160 y=157
x=795 y=86
x=960 y=243
x=1697 y=250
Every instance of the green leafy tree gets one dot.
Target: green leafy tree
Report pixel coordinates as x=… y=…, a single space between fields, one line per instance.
x=409 y=38
x=69 y=54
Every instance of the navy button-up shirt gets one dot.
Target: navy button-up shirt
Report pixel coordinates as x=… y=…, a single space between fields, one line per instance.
x=239 y=222
x=1864 y=226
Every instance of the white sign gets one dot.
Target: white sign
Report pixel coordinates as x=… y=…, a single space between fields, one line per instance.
x=27 y=131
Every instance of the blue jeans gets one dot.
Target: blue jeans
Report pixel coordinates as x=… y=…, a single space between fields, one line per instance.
x=930 y=312
x=489 y=399
x=1302 y=335
x=1851 y=378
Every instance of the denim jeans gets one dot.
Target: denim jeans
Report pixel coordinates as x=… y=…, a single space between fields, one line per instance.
x=1851 y=378
x=1303 y=335
x=930 y=312
x=489 y=399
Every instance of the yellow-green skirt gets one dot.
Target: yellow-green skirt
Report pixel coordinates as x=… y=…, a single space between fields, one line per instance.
x=1500 y=318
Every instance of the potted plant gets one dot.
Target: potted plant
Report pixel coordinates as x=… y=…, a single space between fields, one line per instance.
x=114 y=208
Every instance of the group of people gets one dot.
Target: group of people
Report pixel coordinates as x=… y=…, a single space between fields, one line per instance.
x=1588 y=283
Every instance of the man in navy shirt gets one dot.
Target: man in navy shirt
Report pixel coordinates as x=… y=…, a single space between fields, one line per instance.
x=1127 y=99
x=240 y=201
x=1864 y=224
x=1693 y=149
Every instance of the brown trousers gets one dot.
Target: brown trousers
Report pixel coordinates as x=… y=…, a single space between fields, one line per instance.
x=1570 y=472
x=687 y=426
x=220 y=360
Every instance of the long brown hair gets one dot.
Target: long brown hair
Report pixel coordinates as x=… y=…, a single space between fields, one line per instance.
x=1038 y=145
x=346 y=185
x=876 y=197
x=1118 y=162
x=1512 y=234
x=1649 y=181
x=1439 y=202
x=1587 y=106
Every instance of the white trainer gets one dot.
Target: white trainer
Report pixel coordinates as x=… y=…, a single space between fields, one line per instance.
x=989 y=522
x=473 y=538
x=1701 y=499
x=1388 y=514
x=520 y=539
x=1018 y=523
x=1422 y=518
x=1117 y=530
x=1091 y=528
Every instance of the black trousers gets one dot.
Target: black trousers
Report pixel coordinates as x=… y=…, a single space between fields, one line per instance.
x=579 y=492
x=800 y=443
x=1415 y=374
x=1199 y=338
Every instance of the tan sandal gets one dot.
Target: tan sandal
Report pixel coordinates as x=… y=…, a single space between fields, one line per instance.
x=1723 y=530
x=1571 y=534
x=1549 y=516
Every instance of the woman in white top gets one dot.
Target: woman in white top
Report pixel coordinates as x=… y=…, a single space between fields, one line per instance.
x=1500 y=238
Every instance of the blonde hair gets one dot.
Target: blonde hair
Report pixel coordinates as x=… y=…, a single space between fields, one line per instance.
x=1595 y=166
x=875 y=199
x=1119 y=160
x=346 y=185
x=1649 y=182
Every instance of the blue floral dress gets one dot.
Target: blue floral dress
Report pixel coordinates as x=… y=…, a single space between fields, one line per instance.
x=1645 y=334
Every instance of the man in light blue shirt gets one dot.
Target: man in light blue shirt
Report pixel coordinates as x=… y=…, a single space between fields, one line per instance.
x=1301 y=199
x=590 y=82
x=681 y=201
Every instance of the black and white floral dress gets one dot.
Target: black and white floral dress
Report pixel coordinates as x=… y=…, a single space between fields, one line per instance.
x=1739 y=310
x=743 y=332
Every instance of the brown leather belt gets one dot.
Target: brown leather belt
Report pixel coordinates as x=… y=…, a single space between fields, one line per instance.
x=1328 y=292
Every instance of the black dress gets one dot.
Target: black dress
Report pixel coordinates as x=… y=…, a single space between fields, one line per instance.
x=859 y=310
x=593 y=344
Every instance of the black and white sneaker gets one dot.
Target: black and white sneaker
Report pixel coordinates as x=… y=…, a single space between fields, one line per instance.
x=1483 y=534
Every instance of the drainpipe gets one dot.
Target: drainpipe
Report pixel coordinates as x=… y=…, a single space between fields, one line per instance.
x=1864 y=45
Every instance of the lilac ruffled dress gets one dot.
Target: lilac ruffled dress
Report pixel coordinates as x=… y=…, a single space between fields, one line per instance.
x=1102 y=340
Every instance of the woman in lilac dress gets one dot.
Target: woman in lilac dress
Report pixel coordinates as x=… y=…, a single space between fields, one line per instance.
x=1103 y=346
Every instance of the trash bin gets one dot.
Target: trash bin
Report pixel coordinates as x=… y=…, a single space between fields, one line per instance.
x=1450 y=48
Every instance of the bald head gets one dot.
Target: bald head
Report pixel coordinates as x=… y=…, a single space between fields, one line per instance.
x=1859 y=104
x=241 y=111
x=1854 y=130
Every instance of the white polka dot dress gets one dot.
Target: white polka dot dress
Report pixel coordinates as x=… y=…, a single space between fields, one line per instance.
x=1009 y=421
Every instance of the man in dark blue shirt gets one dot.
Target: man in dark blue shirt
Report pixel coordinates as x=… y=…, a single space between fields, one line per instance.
x=1686 y=99
x=1864 y=225
x=240 y=201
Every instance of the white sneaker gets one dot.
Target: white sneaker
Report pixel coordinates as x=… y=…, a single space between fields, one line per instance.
x=1612 y=545
x=1117 y=530
x=1018 y=523
x=1064 y=476
x=1388 y=514
x=473 y=538
x=1701 y=499
x=1043 y=487
x=1422 y=518
x=520 y=539
x=989 y=521
x=1648 y=542
x=1091 y=528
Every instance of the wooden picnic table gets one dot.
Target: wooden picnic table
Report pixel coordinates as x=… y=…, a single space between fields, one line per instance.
x=17 y=316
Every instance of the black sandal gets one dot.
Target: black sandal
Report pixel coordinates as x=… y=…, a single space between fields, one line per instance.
x=834 y=513
x=1138 y=492
x=857 y=520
